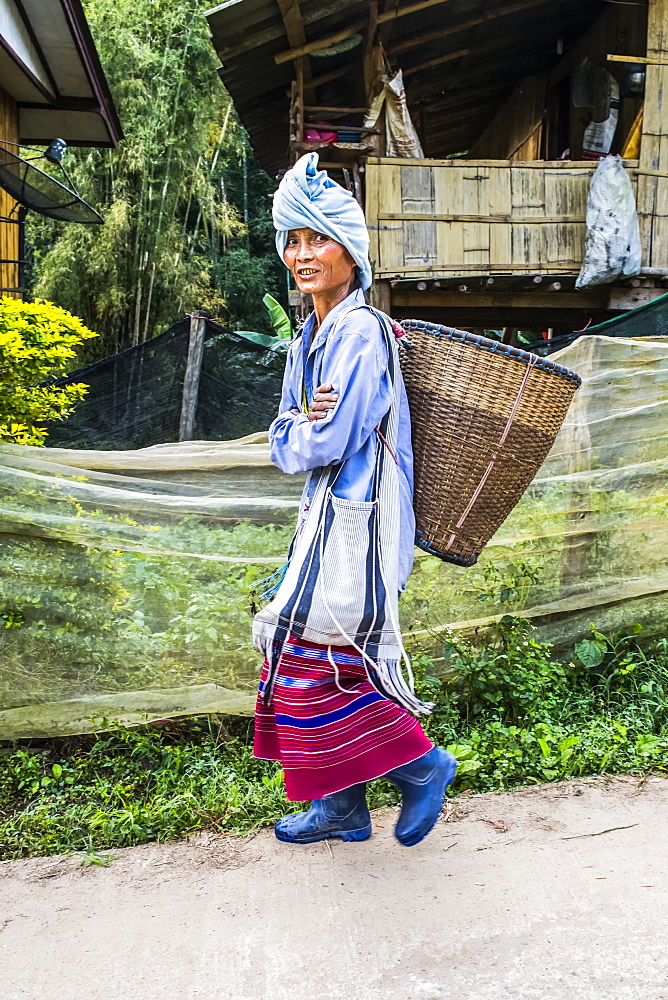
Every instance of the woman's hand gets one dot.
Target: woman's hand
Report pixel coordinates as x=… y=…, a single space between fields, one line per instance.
x=324 y=400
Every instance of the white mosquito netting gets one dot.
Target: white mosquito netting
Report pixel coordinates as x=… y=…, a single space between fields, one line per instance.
x=126 y=578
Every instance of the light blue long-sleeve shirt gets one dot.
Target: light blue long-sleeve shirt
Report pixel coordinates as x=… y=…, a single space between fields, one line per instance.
x=352 y=358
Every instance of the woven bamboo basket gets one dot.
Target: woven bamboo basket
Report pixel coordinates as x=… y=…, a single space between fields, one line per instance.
x=484 y=417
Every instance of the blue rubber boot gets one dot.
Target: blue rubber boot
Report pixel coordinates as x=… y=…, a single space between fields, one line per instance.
x=344 y=814
x=422 y=784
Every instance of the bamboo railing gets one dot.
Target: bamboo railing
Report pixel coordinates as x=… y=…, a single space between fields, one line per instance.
x=448 y=218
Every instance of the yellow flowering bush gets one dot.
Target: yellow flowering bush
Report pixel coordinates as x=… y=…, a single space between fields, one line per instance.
x=37 y=341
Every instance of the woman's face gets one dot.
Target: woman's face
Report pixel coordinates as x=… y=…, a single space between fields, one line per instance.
x=317 y=262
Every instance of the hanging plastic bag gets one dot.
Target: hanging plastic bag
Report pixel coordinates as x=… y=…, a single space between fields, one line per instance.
x=612 y=247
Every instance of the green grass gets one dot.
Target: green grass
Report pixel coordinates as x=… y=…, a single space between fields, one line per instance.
x=512 y=714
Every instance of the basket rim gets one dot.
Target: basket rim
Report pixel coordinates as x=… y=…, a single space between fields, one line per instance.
x=492 y=346
x=451 y=557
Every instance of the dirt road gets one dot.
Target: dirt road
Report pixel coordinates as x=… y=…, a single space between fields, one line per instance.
x=515 y=895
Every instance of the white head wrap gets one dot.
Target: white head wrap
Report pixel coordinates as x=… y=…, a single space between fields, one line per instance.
x=307 y=197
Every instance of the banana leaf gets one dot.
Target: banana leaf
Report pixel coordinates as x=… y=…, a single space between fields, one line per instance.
x=279 y=318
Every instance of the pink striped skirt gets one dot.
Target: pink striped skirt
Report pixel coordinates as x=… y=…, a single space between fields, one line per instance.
x=331 y=732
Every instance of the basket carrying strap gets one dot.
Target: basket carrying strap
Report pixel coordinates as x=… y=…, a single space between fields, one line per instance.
x=486 y=474
x=387 y=444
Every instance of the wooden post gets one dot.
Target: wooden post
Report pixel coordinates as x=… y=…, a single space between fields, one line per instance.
x=381 y=296
x=300 y=102
x=191 y=379
x=9 y=232
x=653 y=190
x=294 y=32
x=357 y=186
x=293 y=112
x=374 y=67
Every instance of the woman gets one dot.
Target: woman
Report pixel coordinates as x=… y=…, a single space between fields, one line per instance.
x=333 y=704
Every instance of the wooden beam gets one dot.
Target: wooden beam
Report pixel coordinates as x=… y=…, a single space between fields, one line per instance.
x=390 y=15
x=333 y=165
x=515 y=220
x=249 y=43
x=340 y=36
x=561 y=321
x=520 y=41
x=469 y=75
x=253 y=41
x=455 y=116
x=384 y=30
x=455 y=102
x=650 y=173
x=348 y=128
x=320 y=109
x=409 y=298
x=449 y=57
x=321 y=43
x=299 y=102
x=637 y=59
x=457 y=95
x=335 y=74
x=378 y=36
x=633 y=298
x=431 y=36
x=463 y=164
x=294 y=31
x=373 y=63
x=357 y=186
x=352 y=149
x=292 y=21
x=410 y=272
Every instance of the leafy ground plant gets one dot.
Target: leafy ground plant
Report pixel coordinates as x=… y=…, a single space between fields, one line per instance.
x=511 y=713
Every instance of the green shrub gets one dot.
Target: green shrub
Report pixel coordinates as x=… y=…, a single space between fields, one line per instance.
x=37 y=340
x=513 y=715
x=130 y=787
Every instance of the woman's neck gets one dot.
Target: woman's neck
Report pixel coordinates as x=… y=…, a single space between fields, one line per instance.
x=324 y=302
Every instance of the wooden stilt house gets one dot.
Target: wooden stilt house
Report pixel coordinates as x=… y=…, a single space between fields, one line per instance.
x=51 y=86
x=487 y=228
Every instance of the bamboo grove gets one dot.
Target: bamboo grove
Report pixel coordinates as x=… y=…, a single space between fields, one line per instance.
x=186 y=209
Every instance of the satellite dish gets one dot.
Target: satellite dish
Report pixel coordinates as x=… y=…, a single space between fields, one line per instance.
x=41 y=192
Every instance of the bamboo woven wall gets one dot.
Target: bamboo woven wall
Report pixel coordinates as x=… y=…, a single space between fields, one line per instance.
x=460 y=217
x=9 y=232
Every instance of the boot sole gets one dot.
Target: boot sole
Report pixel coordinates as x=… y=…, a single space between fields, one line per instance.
x=450 y=773
x=350 y=835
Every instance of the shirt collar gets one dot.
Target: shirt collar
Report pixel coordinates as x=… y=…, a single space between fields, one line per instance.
x=356 y=297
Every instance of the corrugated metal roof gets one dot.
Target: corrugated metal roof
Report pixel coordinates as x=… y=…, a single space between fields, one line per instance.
x=479 y=51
